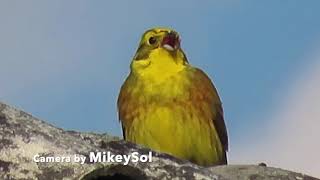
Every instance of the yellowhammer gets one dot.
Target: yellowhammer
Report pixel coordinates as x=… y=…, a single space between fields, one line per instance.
x=170 y=106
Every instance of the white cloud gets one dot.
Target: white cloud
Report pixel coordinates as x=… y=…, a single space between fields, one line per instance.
x=292 y=139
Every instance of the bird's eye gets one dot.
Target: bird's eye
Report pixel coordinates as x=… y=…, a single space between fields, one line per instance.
x=152 y=40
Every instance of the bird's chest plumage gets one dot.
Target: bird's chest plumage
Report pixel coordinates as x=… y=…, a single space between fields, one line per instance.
x=166 y=117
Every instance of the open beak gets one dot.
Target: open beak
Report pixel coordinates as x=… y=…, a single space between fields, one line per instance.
x=171 y=41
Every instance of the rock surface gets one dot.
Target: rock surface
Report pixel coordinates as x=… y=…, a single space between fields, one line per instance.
x=23 y=136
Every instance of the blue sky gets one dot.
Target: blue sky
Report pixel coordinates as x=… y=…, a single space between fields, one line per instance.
x=64 y=61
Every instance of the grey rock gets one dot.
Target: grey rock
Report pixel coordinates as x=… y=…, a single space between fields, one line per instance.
x=23 y=136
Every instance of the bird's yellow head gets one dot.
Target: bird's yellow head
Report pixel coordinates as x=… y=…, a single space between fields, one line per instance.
x=159 y=52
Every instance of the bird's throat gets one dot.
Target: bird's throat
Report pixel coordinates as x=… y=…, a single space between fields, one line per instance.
x=162 y=66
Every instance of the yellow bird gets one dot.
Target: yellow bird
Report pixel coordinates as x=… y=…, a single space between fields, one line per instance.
x=170 y=106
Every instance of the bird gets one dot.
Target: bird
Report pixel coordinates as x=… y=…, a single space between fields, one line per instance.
x=170 y=106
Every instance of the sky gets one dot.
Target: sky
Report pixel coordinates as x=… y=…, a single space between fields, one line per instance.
x=64 y=62
x=296 y=145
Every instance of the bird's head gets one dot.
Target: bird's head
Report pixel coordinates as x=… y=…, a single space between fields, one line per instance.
x=158 y=45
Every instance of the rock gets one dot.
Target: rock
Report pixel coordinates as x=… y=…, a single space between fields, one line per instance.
x=23 y=136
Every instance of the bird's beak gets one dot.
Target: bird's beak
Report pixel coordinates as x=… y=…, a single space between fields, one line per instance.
x=171 y=41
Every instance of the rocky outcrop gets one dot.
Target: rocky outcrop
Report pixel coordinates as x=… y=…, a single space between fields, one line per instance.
x=25 y=142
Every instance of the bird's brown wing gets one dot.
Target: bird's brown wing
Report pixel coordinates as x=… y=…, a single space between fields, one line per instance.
x=209 y=92
x=220 y=126
x=124 y=108
x=121 y=111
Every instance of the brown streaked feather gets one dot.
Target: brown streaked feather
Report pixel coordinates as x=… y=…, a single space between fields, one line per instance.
x=128 y=101
x=124 y=109
x=222 y=130
x=204 y=85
